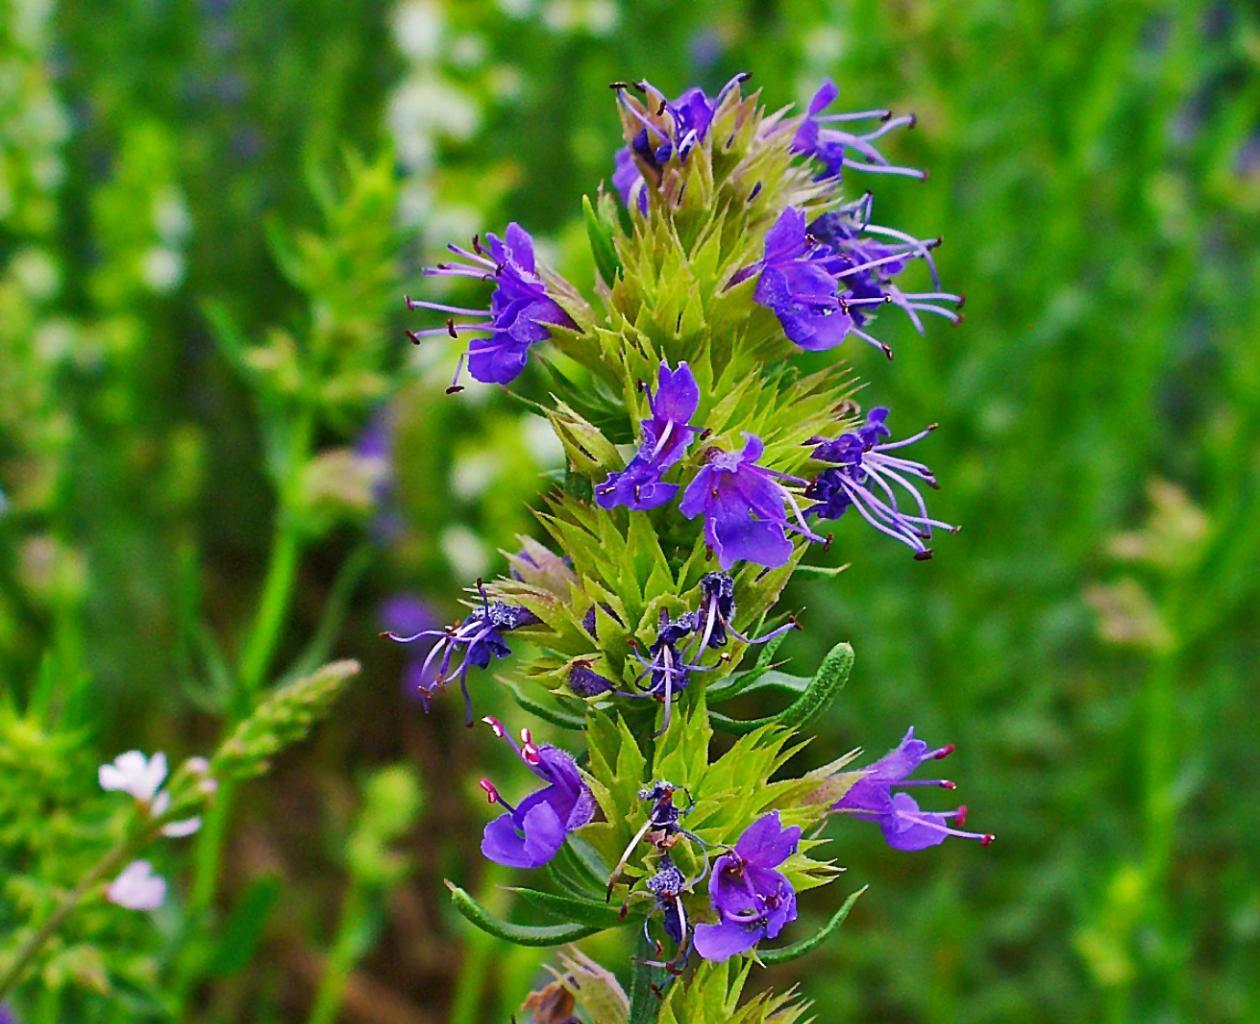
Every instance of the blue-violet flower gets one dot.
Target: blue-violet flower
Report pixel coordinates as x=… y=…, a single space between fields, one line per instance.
x=533 y=831
x=905 y=826
x=830 y=146
x=520 y=314
x=666 y=436
x=752 y=900
x=743 y=507
x=863 y=478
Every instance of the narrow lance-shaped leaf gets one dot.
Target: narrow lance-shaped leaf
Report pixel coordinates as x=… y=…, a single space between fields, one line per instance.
x=797 y=949
x=519 y=934
x=831 y=676
x=575 y=909
x=599 y=232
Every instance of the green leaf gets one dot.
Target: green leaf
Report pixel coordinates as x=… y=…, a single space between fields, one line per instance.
x=645 y=1004
x=740 y=682
x=821 y=570
x=520 y=934
x=831 y=676
x=575 y=909
x=244 y=928
x=599 y=233
x=797 y=949
x=548 y=711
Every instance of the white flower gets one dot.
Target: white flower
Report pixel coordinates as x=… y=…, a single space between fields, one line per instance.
x=137 y=888
x=141 y=778
x=133 y=773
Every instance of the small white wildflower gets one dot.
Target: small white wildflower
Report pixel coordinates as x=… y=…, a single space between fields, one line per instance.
x=137 y=888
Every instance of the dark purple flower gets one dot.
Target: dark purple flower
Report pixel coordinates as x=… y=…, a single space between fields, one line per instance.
x=905 y=826
x=665 y=438
x=532 y=832
x=863 y=479
x=831 y=146
x=480 y=639
x=865 y=258
x=752 y=900
x=585 y=682
x=667 y=886
x=718 y=609
x=667 y=129
x=520 y=314
x=376 y=442
x=667 y=668
x=743 y=507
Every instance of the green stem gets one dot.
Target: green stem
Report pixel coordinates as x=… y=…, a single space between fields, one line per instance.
x=255 y=659
x=104 y=867
x=341 y=958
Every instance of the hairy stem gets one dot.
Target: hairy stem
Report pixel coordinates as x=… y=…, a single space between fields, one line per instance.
x=103 y=868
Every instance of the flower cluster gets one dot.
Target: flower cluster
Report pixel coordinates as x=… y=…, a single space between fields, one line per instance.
x=701 y=466
x=142 y=778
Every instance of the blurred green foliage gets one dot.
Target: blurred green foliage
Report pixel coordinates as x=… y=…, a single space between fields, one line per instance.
x=209 y=210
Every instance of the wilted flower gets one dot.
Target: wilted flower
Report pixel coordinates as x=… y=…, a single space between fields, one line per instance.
x=137 y=887
x=141 y=778
x=666 y=435
x=905 y=826
x=830 y=146
x=521 y=310
x=718 y=610
x=532 y=832
x=584 y=681
x=743 y=507
x=863 y=480
x=752 y=900
x=666 y=669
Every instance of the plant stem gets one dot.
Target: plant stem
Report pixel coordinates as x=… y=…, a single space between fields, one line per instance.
x=100 y=870
x=257 y=652
x=341 y=957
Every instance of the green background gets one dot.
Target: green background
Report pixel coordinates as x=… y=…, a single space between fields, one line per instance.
x=1095 y=173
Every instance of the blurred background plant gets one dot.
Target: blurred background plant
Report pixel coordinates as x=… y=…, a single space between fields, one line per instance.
x=221 y=463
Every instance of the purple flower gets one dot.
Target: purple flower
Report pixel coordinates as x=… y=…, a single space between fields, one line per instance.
x=532 y=832
x=667 y=128
x=752 y=900
x=520 y=314
x=585 y=682
x=480 y=639
x=376 y=442
x=824 y=281
x=863 y=479
x=718 y=609
x=905 y=826
x=666 y=436
x=865 y=258
x=666 y=669
x=743 y=507
x=831 y=146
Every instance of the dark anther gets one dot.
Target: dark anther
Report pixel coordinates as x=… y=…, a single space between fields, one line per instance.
x=455 y=389
x=619 y=85
x=477 y=245
x=678 y=325
x=413 y=337
x=450 y=329
x=923 y=556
